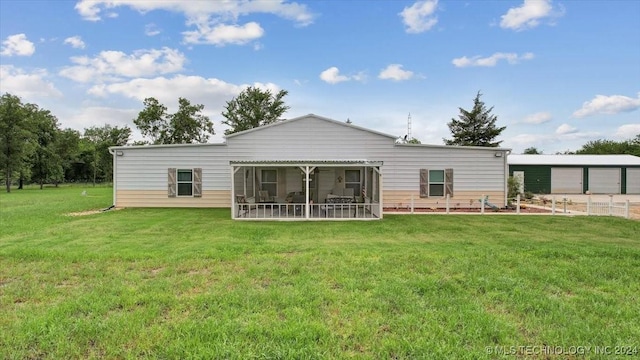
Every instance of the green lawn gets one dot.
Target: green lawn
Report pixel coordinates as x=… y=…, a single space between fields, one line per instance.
x=192 y=283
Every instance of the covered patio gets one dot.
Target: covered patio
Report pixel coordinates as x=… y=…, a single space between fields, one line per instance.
x=306 y=190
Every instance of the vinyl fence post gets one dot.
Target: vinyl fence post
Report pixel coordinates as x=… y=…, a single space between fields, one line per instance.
x=412 y=203
x=553 y=205
x=610 y=205
x=482 y=205
x=589 y=205
x=626 y=209
x=448 y=203
x=518 y=204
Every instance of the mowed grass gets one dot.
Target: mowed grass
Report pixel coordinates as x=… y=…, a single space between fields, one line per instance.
x=192 y=283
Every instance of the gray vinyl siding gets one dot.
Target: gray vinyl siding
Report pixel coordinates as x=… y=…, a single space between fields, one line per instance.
x=145 y=168
x=311 y=138
x=473 y=169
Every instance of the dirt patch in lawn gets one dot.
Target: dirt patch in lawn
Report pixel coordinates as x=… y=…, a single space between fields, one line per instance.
x=89 y=212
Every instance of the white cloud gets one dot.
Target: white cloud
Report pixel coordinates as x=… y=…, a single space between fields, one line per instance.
x=86 y=117
x=565 y=135
x=211 y=92
x=565 y=129
x=419 y=16
x=492 y=60
x=332 y=76
x=528 y=15
x=17 y=45
x=75 y=42
x=109 y=65
x=627 y=131
x=27 y=84
x=613 y=104
x=214 y=20
x=395 y=72
x=151 y=29
x=224 y=34
x=538 y=118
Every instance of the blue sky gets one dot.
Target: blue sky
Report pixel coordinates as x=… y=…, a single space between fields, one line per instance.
x=558 y=73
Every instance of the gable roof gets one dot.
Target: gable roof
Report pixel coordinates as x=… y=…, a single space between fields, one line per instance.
x=602 y=160
x=300 y=118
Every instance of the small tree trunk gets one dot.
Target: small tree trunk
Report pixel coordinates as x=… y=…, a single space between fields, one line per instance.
x=20 y=182
x=8 y=180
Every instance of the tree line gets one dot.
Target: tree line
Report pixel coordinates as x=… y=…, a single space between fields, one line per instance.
x=35 y=149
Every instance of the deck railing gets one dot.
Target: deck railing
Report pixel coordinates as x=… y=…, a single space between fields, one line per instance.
x=298 y=211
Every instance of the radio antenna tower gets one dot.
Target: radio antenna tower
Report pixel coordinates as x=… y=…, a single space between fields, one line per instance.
x=409 y=137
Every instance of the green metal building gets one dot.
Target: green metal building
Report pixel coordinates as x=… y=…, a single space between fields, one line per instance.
x=576 y=174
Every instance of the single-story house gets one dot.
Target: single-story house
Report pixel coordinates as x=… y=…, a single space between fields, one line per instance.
x=308 y=167
x=577 y=174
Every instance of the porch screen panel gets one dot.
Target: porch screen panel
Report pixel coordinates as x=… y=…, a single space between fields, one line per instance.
x=172 y=183
x=352 y=181
x=270 y=181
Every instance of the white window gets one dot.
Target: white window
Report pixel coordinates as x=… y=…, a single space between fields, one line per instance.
x=270 y=181
x=436 y=183
x=185 y=182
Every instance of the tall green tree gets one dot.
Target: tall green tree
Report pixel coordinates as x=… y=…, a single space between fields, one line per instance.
x=46 y=163
x=476 y=127
x=252 y=108
x=14 y=138
x=152 y=121
x=67 y=146
x=187 y=125
x=101 y=138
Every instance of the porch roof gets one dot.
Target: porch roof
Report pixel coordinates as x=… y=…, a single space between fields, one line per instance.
x=335 y=163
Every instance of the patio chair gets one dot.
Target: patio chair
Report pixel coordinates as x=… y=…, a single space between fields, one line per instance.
x=244 y=204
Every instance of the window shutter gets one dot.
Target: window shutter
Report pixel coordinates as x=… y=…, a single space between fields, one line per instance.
x=172 y=182
x=448 y=182
x=197 y=182
x=424 y=183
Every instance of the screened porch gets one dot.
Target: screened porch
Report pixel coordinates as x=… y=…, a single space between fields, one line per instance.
x=314 y=190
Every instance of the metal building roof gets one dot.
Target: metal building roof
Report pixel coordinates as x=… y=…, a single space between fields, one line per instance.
x=574 y=160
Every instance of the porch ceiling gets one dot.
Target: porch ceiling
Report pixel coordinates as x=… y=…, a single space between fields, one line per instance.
x=335 y=163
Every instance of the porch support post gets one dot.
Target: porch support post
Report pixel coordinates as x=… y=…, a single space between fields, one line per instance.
x=380 y=205
x=234 y=170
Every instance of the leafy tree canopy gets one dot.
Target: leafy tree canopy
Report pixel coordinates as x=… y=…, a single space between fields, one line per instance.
x=630 y=147
x=252 y=108
x=186 y=126
x=476 y=127
x=532 y=151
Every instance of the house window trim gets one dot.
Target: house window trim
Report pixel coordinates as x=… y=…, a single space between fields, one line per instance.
x=178 y=182
x=425 y=183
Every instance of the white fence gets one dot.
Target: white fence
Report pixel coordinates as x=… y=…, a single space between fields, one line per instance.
x=553 y=205
x=565 y=205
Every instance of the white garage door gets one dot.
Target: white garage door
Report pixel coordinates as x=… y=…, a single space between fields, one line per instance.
x=633 y=181
x=604 y=181
x=566 y=180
